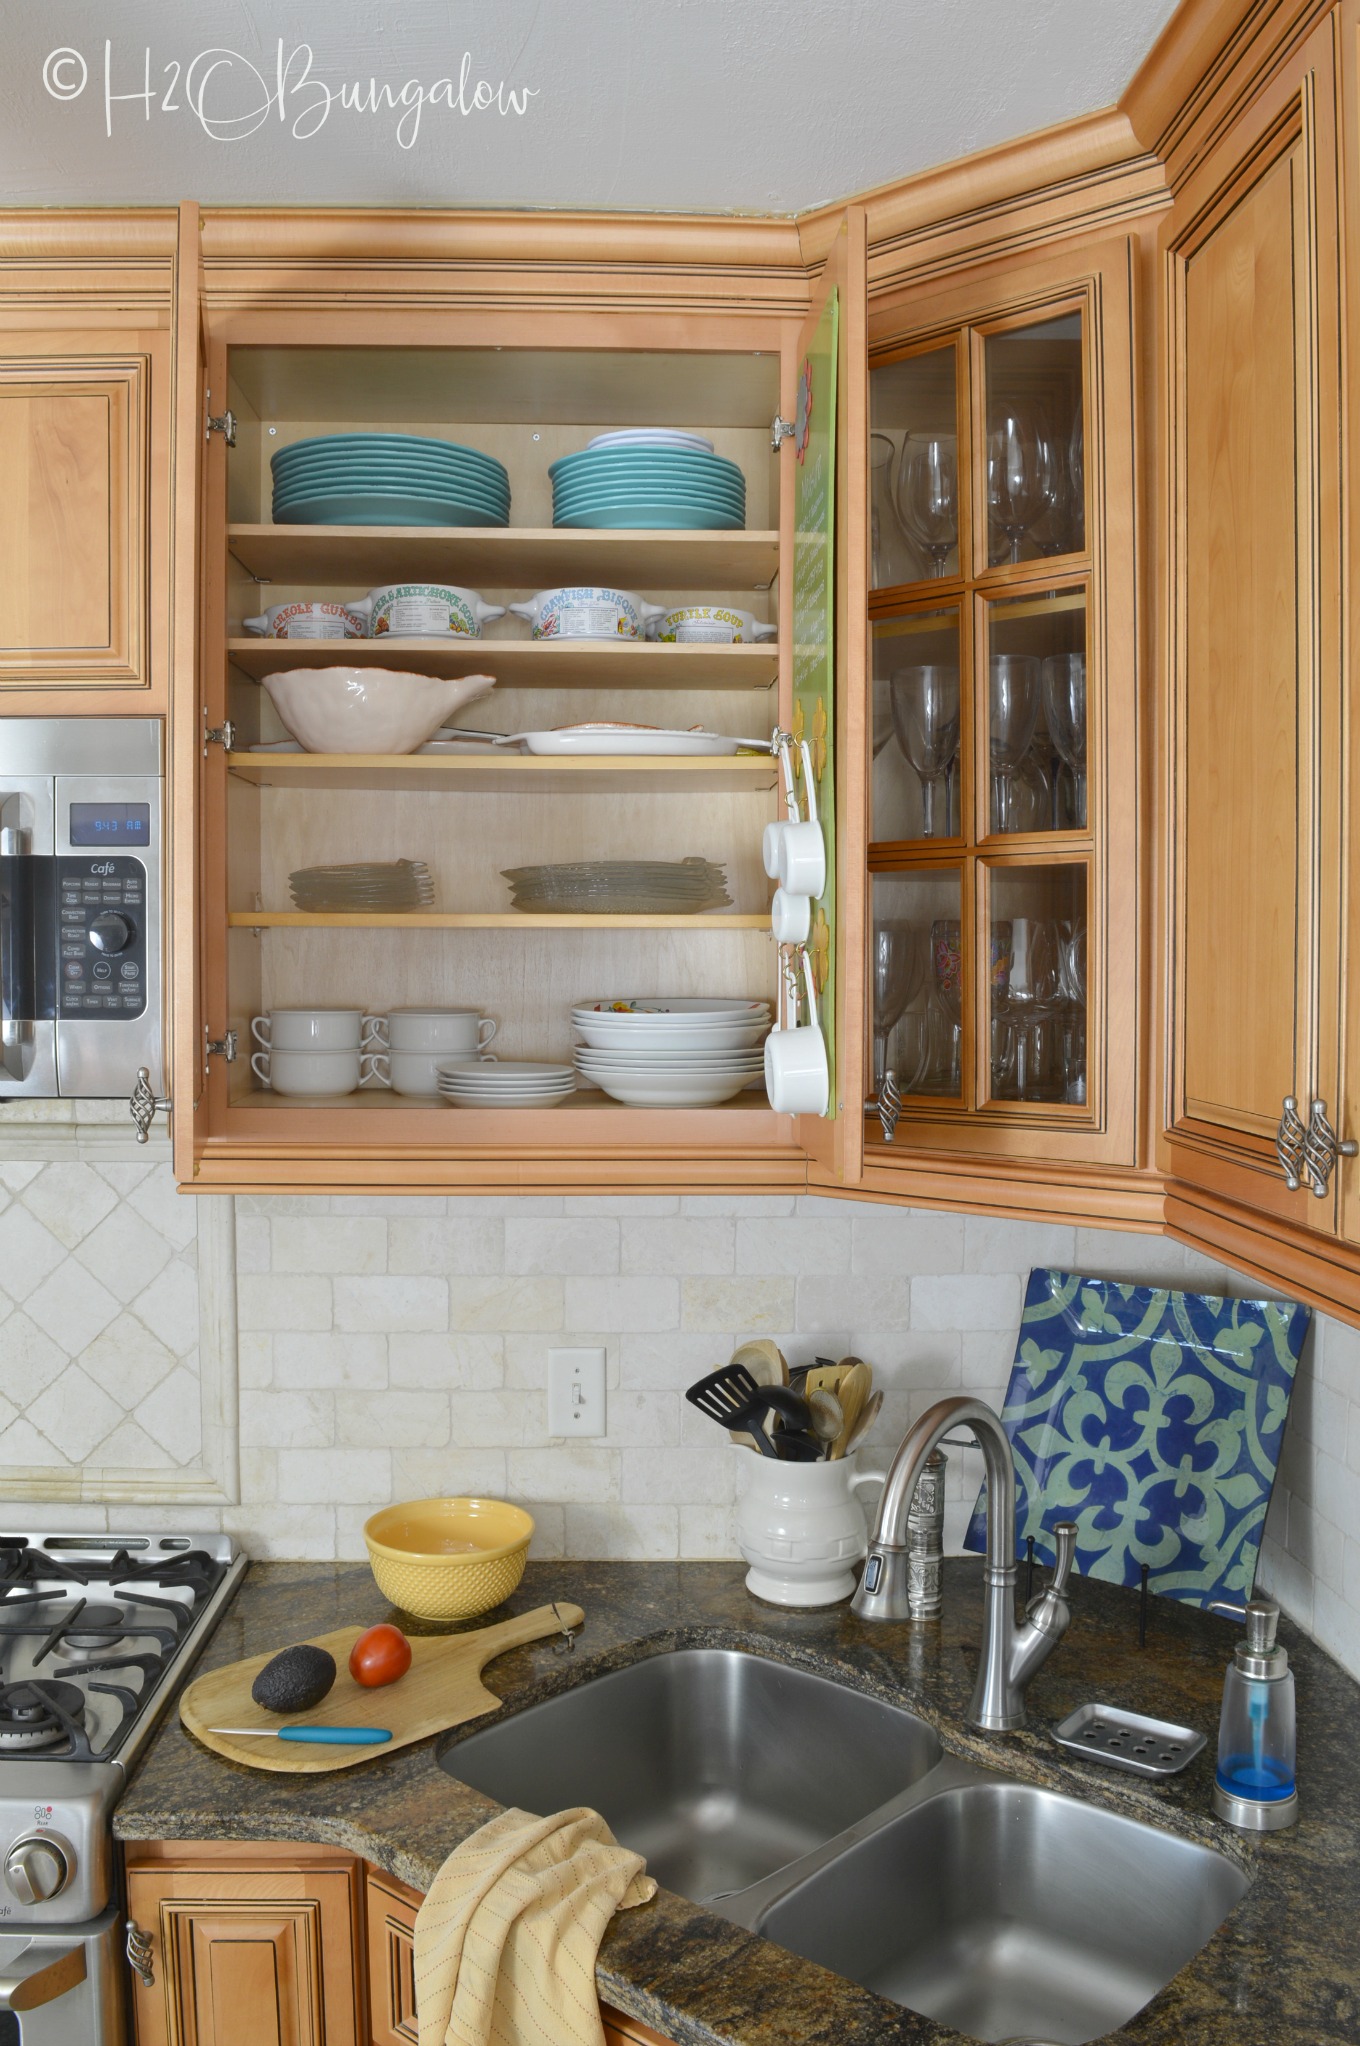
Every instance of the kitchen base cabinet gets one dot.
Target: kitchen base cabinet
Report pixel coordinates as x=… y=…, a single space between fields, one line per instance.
x=391 y=1914
x=246 y=1944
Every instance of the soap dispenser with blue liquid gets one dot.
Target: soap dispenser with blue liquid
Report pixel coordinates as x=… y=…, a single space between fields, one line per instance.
x=1254 y=1785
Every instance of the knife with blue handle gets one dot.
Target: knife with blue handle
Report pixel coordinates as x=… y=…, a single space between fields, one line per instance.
x=335 y=1736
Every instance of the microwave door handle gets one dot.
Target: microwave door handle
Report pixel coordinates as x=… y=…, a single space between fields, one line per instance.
x=35 y=1979
x=28 y=975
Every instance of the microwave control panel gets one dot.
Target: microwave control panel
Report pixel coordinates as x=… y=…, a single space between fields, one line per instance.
x=101 y=971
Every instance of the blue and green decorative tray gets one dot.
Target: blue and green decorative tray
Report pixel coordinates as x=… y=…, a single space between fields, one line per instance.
x=1153 y=1419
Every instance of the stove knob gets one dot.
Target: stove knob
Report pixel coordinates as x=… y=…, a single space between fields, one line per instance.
x=37 y=1868
x=110 y=933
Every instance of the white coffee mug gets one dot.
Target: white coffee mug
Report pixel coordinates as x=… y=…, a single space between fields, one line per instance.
x=449 y=1031
x=800 y=1527
x=797 y=1075
x=417 y=1072
x=790 y=917
x=313 y=1029
x=312 y=1072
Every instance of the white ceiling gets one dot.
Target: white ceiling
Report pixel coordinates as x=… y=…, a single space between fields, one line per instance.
x=746 y=106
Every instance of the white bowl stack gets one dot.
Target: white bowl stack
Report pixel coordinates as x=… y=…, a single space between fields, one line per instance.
x=510 y=1083
x=681 y=1051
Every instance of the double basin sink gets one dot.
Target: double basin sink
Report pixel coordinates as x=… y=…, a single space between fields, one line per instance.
x=834 y=1824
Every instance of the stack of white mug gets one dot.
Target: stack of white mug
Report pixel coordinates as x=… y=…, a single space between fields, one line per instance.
x=336 y=1051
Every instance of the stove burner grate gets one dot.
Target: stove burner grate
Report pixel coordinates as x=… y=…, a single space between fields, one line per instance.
x=40 y=1714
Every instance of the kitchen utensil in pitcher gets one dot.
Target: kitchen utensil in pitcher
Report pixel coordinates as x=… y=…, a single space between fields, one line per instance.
x=857 y=1382
x=867 y=1416
x=732 y=1398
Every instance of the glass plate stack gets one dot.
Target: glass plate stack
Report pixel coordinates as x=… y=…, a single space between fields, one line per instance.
x=650 y=478
x=367 y=884
x=620 y=888
x=387 y=479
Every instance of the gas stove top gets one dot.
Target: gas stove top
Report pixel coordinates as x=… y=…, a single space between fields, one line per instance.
x=97 y=1633
x=86 y=1635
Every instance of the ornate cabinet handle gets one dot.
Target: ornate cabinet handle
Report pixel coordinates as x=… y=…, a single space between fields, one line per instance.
x=139 y=1954
x=1290 y=1139
x=1321 y=1149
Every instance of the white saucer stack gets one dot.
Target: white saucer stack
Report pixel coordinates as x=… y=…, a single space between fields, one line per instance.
x=684 y=1051
x=511 y=1083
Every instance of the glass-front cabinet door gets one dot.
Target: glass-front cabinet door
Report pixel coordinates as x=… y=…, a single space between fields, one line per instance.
x=1006 y=949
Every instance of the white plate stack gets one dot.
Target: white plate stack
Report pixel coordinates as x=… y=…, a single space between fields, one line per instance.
x=510 y=1083
x=682 y=1051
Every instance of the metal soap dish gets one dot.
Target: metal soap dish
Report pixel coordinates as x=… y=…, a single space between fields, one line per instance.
x=1129 y=1740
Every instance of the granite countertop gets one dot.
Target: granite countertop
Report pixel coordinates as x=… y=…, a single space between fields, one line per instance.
x=1283 y=1970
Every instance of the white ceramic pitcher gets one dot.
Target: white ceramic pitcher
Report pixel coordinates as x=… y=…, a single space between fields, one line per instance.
x=801 y=1527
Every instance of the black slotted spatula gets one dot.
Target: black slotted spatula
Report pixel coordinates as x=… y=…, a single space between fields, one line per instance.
x=732 y=1398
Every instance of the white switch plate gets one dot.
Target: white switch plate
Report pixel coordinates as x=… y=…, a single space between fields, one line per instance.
x=576 y=1403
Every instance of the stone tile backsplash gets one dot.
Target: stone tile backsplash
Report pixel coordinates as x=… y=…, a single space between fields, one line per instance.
x=391 y=1347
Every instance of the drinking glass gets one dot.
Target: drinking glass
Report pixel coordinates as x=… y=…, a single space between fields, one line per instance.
x=1013 y=714
x=1059 y=523
x=925 y=703
x=946 y=973
x=1019 y=471
x=927 y=494
x=898 y=972
x=1064 y=682
x=887 y=540
x=1031 y=1004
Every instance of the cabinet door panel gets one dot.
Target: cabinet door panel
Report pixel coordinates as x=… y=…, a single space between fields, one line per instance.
x=391 y=1964
x=73 y=545
x=1254 y=570
x=264 y=1954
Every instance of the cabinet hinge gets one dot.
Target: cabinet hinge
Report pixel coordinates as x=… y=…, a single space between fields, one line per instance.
x=223 y=1047
x=780 y=431
x=223 y=423
x=223 y=735
x=143 y=1105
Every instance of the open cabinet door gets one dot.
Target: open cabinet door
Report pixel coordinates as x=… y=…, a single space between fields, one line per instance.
x=186 y=720
x=830 y=640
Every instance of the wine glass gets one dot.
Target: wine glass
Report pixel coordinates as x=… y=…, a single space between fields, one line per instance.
x=898 y=972
x=1031 y=1002
x=925 y=705
x=1019 y=471
x=1064 y=682
x=1058 y=525
x=1013 y=714
x=927 y=494
x=886 y=535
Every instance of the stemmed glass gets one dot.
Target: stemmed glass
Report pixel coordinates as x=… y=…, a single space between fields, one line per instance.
x=1013 y=714
x=1031 y=998
x=927 y=494
x=886 y=535
x=925 y=706
x=898 y=972
x=1065 y=711
x=1020 y=472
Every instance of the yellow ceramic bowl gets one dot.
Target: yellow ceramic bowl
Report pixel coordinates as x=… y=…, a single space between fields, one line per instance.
x=448 y=1559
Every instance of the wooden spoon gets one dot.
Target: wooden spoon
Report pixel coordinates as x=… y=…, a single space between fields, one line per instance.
x=828 y=1415
x=868 y=1415
x=856 y=1385
x=767 y=1365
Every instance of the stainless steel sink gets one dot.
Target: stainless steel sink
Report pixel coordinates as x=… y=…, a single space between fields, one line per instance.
x=1010 y=1912
x=719 y=1766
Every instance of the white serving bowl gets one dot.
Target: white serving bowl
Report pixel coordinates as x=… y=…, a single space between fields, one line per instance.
x=427 y=610
x=368 y=710
x=710 y=625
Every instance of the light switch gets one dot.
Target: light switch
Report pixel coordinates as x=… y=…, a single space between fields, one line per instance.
x=576 y=1402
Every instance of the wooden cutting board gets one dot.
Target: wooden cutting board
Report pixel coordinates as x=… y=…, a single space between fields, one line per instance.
x=442 y=1688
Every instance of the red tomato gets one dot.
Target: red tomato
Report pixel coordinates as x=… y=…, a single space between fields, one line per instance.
x=380 y=1656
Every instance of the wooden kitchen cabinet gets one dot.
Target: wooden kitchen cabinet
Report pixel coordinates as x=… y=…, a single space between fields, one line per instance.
x=247 y=1944
x=1260 y=791
x=998 y=832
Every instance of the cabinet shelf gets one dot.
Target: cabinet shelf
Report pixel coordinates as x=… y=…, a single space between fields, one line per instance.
x=526 y=663
x=502 y=557
x=503 y=773
x=483 y=920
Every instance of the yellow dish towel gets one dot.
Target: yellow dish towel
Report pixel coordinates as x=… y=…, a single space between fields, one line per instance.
x=507 y=1936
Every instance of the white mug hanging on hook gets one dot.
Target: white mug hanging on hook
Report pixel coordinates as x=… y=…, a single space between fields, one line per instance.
x=795 y=852
x=797 y=1072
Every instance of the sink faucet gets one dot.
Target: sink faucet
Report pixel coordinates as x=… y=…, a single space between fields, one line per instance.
x=1011 y=1650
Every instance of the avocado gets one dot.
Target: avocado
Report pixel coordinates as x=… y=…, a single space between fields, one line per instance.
x=295 y=1680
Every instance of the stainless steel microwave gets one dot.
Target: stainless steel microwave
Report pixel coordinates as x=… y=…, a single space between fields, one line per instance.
x=81 y=926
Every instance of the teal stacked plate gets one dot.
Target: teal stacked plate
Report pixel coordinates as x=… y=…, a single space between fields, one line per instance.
x=663 y=488
x=387 y=479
